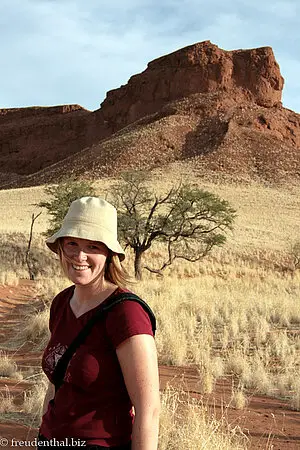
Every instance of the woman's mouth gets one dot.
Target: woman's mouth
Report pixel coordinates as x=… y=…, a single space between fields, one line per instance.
x=81 y=268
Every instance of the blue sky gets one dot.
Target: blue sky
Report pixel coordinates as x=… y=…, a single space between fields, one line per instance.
x=73 y=51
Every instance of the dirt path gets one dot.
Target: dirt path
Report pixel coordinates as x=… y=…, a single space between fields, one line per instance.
x=268 y=423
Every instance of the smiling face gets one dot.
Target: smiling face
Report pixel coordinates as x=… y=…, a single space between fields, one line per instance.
x=84 y=260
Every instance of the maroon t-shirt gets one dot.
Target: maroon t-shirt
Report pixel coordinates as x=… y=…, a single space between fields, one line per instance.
x=92 y=404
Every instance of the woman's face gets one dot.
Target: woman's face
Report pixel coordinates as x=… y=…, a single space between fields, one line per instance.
x=85 y=260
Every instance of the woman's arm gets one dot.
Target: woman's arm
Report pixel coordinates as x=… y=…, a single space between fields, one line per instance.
x=49 y=396
x=138 y=360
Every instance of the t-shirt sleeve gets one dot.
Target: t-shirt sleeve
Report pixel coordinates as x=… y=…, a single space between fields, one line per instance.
x=125 y=320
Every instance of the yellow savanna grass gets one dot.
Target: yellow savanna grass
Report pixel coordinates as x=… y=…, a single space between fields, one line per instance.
x=186 y=423
x=237 y=312
x=8 y=367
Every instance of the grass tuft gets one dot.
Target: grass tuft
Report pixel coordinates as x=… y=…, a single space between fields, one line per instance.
x=186 y=423
x=8 y=367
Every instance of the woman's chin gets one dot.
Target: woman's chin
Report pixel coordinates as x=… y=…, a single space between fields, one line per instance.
x=84 y=279
x=80 y=277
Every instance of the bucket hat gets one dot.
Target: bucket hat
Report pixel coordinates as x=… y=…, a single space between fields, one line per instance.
x=91 y=218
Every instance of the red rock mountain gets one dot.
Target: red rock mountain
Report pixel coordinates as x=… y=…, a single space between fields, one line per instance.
x=219 y=109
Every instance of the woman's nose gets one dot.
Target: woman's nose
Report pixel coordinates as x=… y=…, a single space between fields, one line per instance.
x=81 y=255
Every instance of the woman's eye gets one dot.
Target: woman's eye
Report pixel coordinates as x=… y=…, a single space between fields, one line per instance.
x=93 y=247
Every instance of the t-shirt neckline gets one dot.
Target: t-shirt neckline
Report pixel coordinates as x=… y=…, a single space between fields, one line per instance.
x=92 y=309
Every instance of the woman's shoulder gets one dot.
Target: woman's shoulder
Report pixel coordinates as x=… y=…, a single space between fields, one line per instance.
x=128 y=301
x=126 y=319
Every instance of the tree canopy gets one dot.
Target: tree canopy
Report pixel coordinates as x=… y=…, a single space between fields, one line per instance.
x=189 y=221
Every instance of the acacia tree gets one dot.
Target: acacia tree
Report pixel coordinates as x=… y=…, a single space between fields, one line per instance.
x=187 y=220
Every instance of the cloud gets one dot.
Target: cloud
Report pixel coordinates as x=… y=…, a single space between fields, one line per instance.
x=73 y=51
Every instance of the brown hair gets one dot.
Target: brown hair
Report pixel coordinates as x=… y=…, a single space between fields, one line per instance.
x=114 y=272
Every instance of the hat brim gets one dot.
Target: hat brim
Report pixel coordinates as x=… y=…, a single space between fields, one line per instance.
x=86 y=231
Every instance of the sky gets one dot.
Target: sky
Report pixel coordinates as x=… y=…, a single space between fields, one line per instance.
x=56 y=52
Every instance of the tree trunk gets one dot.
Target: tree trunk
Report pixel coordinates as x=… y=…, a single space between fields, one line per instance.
x=138 y=264
x=27 y=255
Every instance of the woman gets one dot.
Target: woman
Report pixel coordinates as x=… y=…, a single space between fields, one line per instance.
x=115 y=370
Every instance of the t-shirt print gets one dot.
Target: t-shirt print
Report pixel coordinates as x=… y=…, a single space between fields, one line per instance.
x=52 y=357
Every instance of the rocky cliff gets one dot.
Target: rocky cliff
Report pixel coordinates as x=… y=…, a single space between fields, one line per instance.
x=245 y=75
x=34 y=138
x=220 y=109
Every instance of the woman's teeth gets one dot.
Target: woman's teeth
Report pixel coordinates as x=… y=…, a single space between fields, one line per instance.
x=80 y=267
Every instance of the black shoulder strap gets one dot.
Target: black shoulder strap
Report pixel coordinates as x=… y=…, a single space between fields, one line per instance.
x=61 y=366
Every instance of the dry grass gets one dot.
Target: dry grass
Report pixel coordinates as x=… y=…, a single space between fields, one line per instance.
x=6 y=402
x=295 y=400
x=8 y=367
x=9 y=278
x=237 y=312
x=19 y=207
x=247 y=323
x=36 y=325
x=239 y=399
x=48 y=287
x=13 y=265
x=34 y=399
x=185 y=423
x=242 y=325
x=30 y=411
x=268 y=216
x=36 y=329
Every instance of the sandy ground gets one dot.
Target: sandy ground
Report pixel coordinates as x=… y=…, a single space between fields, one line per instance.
x=268 y=423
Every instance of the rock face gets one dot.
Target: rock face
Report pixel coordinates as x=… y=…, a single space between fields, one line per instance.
x=245 y=75
x=34 y=138
x=220 y=109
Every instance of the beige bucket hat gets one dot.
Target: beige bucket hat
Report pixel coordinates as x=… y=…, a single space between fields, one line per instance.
x=90 y=218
